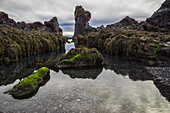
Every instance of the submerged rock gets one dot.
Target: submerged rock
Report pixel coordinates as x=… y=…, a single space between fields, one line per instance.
x=80 y=57
x=30 y=85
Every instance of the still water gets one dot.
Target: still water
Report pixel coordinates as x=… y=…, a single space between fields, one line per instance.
x=121 y=86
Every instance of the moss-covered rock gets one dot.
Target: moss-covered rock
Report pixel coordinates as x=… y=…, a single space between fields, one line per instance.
x=30 y=85
x=16 y=44
x=80 y=57
x=140 y=45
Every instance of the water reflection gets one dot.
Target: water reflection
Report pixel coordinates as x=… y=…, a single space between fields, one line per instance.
x=164 y=89
x=26 y=66
x=90 y=73
x=121 y=65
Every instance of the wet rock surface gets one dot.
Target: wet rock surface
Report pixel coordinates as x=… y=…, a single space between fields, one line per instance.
x=28 y=87
x=80 y=57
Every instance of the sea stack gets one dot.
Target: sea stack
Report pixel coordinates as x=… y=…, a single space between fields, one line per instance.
x=82 y=18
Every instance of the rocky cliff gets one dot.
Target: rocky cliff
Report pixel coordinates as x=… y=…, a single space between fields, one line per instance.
x=51 y=26
x=161 y=18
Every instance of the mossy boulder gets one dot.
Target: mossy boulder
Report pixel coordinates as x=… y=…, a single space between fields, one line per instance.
x=30 y=85
x=80 y=57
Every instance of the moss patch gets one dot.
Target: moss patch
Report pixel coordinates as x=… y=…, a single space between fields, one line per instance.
x=30 y=84
x=80 y=57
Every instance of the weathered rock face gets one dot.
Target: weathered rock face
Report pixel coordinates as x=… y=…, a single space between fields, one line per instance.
x=140 y=45
x=16 y=44
x=80 y=57
x=161 y=18
x=126 y=23
x=30 y=85
x=51 y=26
x=82 y=18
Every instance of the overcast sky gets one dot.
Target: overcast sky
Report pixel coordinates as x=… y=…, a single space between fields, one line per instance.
x=104 y=12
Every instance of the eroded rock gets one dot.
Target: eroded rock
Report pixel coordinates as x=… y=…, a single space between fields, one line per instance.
x=161 y=18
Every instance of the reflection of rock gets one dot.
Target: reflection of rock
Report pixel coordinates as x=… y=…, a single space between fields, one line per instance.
x=30 y=85
x=163 y=88
x=80 y=57
x=135 y=70
x=24 y=67
x=162 y=80
x=83 y=73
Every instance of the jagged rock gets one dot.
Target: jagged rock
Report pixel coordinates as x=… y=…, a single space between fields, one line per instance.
x=126 y=23
x=5 y=20
x=51 y=26
x=16 y=44
x=82 y=18
x=161 y=18
x=80 y=57
x=30 y=85
x=140 y=45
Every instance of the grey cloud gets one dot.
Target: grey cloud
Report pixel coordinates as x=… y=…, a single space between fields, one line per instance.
x=103 y=11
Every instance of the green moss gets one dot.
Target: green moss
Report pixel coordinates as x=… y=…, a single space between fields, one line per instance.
x=33 y=80
x=154 y=53
x=76 y=57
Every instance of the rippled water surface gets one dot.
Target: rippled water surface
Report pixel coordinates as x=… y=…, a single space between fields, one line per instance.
x=121 y=86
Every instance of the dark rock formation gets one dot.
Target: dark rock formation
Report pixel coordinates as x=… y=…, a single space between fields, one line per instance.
x=16 y=44
x=82 y=18
x=126 y=23
x=80 y=57
x=161 y=18
x=30 y=85
x=140 y=45
x=51 y=26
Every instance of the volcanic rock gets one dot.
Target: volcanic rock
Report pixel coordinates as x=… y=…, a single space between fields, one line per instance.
x=51 y=26
x=82 y=18
x=161 y=18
